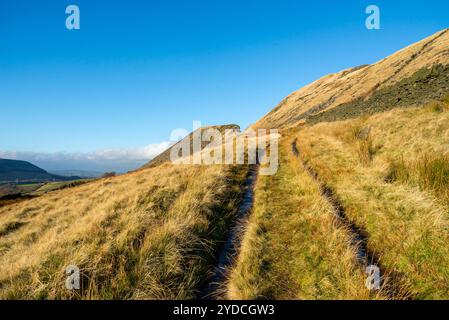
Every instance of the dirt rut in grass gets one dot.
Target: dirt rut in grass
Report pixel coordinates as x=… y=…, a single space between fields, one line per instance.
x=214 y=287
x=368 y=260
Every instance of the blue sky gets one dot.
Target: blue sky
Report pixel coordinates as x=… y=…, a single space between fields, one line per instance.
x=136 y=70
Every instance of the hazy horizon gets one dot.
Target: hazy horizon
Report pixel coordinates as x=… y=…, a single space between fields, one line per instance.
x=106 y=97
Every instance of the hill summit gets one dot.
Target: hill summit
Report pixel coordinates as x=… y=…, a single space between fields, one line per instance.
x=410 y=77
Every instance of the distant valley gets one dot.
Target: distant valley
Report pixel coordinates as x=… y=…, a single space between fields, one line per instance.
x=77 y=173
x=16 y=171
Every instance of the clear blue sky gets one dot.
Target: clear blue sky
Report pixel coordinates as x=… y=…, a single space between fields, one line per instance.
x=139 y=69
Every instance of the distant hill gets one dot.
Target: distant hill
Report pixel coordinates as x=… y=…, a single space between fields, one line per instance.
x=410 y=77
x=165 y=156
x=25 y=172
x=77 y=173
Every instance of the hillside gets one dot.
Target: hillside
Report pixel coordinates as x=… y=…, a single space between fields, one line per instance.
x=371 y=190
x=411 y=77
x=165 y=156
x=362 y=182
x=13 y=170
x=151 y=234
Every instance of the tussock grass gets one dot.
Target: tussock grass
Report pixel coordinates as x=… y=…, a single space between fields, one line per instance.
x=151 y=234
x=363 y=142
x=439 y=106
x=292 y=247
x=406 y=224
x=446 y=100
x=10 y=227
x=430 y=172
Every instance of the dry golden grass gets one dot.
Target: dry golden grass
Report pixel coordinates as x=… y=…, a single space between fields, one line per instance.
x=406 y=219
x=429 y=172
x=345 y=86
x=146 y=235
x=292 y=247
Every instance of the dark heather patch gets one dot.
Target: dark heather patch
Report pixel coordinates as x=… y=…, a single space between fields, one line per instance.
x=424 y=86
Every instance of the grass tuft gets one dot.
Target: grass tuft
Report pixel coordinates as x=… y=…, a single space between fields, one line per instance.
x=397 y=171
x=446 y=100
x=10 y=227
x=429 y=172
x=437 y=106
x=362 y=138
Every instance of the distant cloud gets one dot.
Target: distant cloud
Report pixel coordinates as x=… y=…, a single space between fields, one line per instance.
x=103 y=160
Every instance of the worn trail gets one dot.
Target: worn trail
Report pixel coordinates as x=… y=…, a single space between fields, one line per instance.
x=214 y=286
x=390 y=287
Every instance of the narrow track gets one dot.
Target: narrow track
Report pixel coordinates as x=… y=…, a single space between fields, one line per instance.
x=390 y=287
x=359 y=237
x=214 y=286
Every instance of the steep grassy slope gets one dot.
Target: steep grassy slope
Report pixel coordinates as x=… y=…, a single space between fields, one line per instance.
x=388 y=170
x=293 y=247
x=151 y=234
x=402 y=79
x=154 y=233
x=391 y=172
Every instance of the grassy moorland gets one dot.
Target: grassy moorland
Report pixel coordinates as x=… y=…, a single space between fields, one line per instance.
x=12 y=188
x=54 y=186
x=391 y=172
x=292 y=248
x=410 y=77
x=152 y=234
x=365 y=150
x=14 y=193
